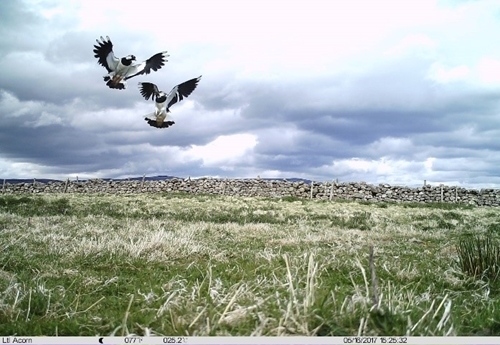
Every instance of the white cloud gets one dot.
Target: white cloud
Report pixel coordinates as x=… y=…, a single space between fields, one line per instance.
x=412 y=43
x=47 y=119
x=489 y=71
x=9 y=168
x=443 y=74
x=11 y=106
x=225 y=150
x=109 y=119
x=390 y=145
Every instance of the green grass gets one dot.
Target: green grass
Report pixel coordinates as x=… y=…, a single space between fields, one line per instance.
x=179 y=264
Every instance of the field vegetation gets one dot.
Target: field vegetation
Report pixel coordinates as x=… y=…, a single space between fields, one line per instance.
x=176 y=264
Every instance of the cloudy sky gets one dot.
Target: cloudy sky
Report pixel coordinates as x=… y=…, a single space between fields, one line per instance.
x=378 y=91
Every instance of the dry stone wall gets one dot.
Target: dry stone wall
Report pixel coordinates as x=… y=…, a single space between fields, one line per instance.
x=269 y=188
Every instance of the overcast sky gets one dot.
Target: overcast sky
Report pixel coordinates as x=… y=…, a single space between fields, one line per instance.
x=378 y=91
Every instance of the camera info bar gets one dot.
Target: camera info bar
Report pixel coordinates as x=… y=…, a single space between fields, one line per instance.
x=97 y=340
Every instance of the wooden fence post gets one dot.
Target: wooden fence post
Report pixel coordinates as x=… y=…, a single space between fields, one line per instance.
x=441 y=192
x=66 y=185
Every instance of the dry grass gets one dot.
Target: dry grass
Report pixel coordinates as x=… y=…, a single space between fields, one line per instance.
x=204 y=265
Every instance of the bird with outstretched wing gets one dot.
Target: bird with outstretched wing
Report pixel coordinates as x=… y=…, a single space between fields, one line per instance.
x=164 y=101
x=120 y=70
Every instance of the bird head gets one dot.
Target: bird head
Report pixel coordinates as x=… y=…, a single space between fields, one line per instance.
x=161 y=97
x=127 y=60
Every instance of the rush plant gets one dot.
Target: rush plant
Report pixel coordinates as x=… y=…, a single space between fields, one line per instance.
x=479 y=255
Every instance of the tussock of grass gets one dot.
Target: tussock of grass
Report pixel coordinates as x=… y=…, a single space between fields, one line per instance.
x=479 y=256
x=177 y=264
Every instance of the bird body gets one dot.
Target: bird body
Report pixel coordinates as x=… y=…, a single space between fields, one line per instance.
x=120 y=70
x=164 y=101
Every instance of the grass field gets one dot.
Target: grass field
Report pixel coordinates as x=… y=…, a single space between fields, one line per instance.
x=173 y=264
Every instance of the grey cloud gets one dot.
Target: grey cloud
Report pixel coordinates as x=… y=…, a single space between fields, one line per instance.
x=19 y=27
x=70 y=48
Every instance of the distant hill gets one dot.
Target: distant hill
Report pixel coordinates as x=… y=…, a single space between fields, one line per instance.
x=292 y=179
x=147 y=178
x=25 y=180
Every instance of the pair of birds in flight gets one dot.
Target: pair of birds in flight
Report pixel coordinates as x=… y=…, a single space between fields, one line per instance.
x=120 y=70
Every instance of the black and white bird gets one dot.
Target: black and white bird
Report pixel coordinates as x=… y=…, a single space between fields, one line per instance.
x=165 y=101
x=120 y=70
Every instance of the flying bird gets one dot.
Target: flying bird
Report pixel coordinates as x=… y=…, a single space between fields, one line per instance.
x=120 y=70
x=165 y=101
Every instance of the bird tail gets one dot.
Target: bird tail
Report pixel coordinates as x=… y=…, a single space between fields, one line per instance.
x=158 y=122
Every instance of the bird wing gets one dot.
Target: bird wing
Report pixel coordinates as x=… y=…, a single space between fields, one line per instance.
x=104 y=53
x=148 y=90
x=154 y=63
x=181 y=91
